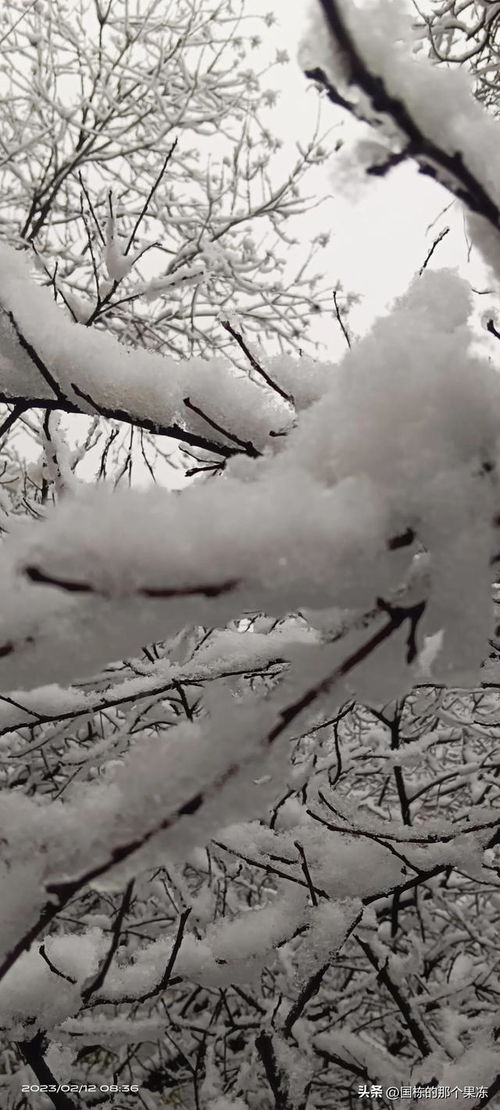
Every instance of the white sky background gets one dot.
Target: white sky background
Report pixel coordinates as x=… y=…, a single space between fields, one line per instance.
x=379 y=227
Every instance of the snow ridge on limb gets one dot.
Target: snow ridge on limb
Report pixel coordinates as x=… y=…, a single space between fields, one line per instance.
x=372 y=479
x=49 y=361
x=432 y=114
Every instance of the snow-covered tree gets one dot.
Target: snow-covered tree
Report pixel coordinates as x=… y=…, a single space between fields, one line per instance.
x=139 y=168
x=465 y=32
x=248 y=730
x=137 y=161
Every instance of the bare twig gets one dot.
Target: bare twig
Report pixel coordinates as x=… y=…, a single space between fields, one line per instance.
x=307 y=873
x=96 y=983
x=53 y=968
x=167 y=974
x=150 y=196
x=439 y=238
x=247 y=446
x=254 y=364
x=338 y=314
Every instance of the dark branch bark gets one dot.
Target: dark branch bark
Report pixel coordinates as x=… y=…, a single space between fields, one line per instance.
x=167 y=974
x=36 y=360
x=97 y=982
x=450 y=169
x=254 y=364
x=246 y=446
x=309 y=991
x=265 y=1048
x=41 y=578
x=418 y=1034
x=397 y=617
x=53 y=968
x=33 y=1052
x=439 y=238
x=340 y=321
x=14 y=415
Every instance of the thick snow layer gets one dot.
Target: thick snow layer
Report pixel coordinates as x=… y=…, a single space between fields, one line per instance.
x=27 y=992
x=400 y=440
x=97 y=373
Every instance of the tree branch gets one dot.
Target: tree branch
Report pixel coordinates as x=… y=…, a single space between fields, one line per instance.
x=254 y=364
x=430 y=157
x=97 y=982
x=265 y=1048
x=403 y=1006
x=33 y=1052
